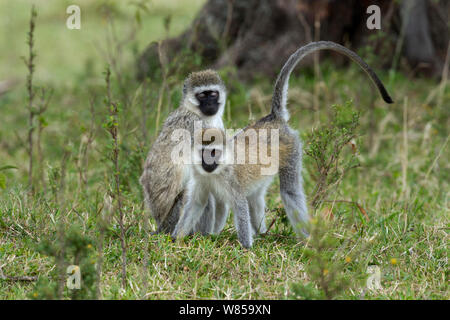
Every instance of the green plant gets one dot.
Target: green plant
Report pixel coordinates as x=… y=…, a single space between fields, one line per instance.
x=74 y=248
x=333 y=265
x=31 y=93
x=325 y=145
x=3 y=177
x=112 y=126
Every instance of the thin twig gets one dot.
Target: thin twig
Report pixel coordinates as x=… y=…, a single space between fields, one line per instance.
x=17 y=278
x=270 y=226
x=113 y=130
x=30 y=66
x=43 y=106
x=163 y=85
x=360 y=208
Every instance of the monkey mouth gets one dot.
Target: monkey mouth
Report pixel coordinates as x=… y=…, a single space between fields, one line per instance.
x=210 y=159
x=209 y=167
x=210 y=110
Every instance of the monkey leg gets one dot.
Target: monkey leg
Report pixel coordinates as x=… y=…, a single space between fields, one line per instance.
x=257 y=212
x=204 y=226
x=222 y=211
x=242 y=222
x=169 y=223
x=293 y=197
x=191 y=213
x=206 y=223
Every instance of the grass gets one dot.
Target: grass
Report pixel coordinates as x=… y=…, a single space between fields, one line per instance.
x=402 y=184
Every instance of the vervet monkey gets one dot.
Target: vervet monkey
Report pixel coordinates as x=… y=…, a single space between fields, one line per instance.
x=243 y=186
x=164 y=181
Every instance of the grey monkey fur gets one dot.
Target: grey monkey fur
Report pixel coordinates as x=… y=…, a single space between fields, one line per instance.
x=241 y=185
x=162 y=180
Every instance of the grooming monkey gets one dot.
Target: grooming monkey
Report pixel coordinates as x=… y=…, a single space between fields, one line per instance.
x=163 y=181
x=243 y=186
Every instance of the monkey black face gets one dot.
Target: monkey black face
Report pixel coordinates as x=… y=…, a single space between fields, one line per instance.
x=210 y=159
x=208 y=102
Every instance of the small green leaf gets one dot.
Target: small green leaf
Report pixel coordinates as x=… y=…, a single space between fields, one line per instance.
x=43 y=122
x=138 y=17
x=2 y=181
x=7 y=167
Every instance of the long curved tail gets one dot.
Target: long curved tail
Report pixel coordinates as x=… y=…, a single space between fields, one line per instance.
x=280 y=93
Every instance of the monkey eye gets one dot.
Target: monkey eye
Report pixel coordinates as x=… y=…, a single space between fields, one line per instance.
x=214 y=94
x=201 y=95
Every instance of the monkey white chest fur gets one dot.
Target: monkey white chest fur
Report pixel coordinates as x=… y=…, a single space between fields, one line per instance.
x=248 y=219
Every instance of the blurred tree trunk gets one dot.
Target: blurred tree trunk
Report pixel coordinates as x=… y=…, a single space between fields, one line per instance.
x=257 y=36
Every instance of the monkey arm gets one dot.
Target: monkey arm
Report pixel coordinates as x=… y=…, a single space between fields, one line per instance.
x=195 y=205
